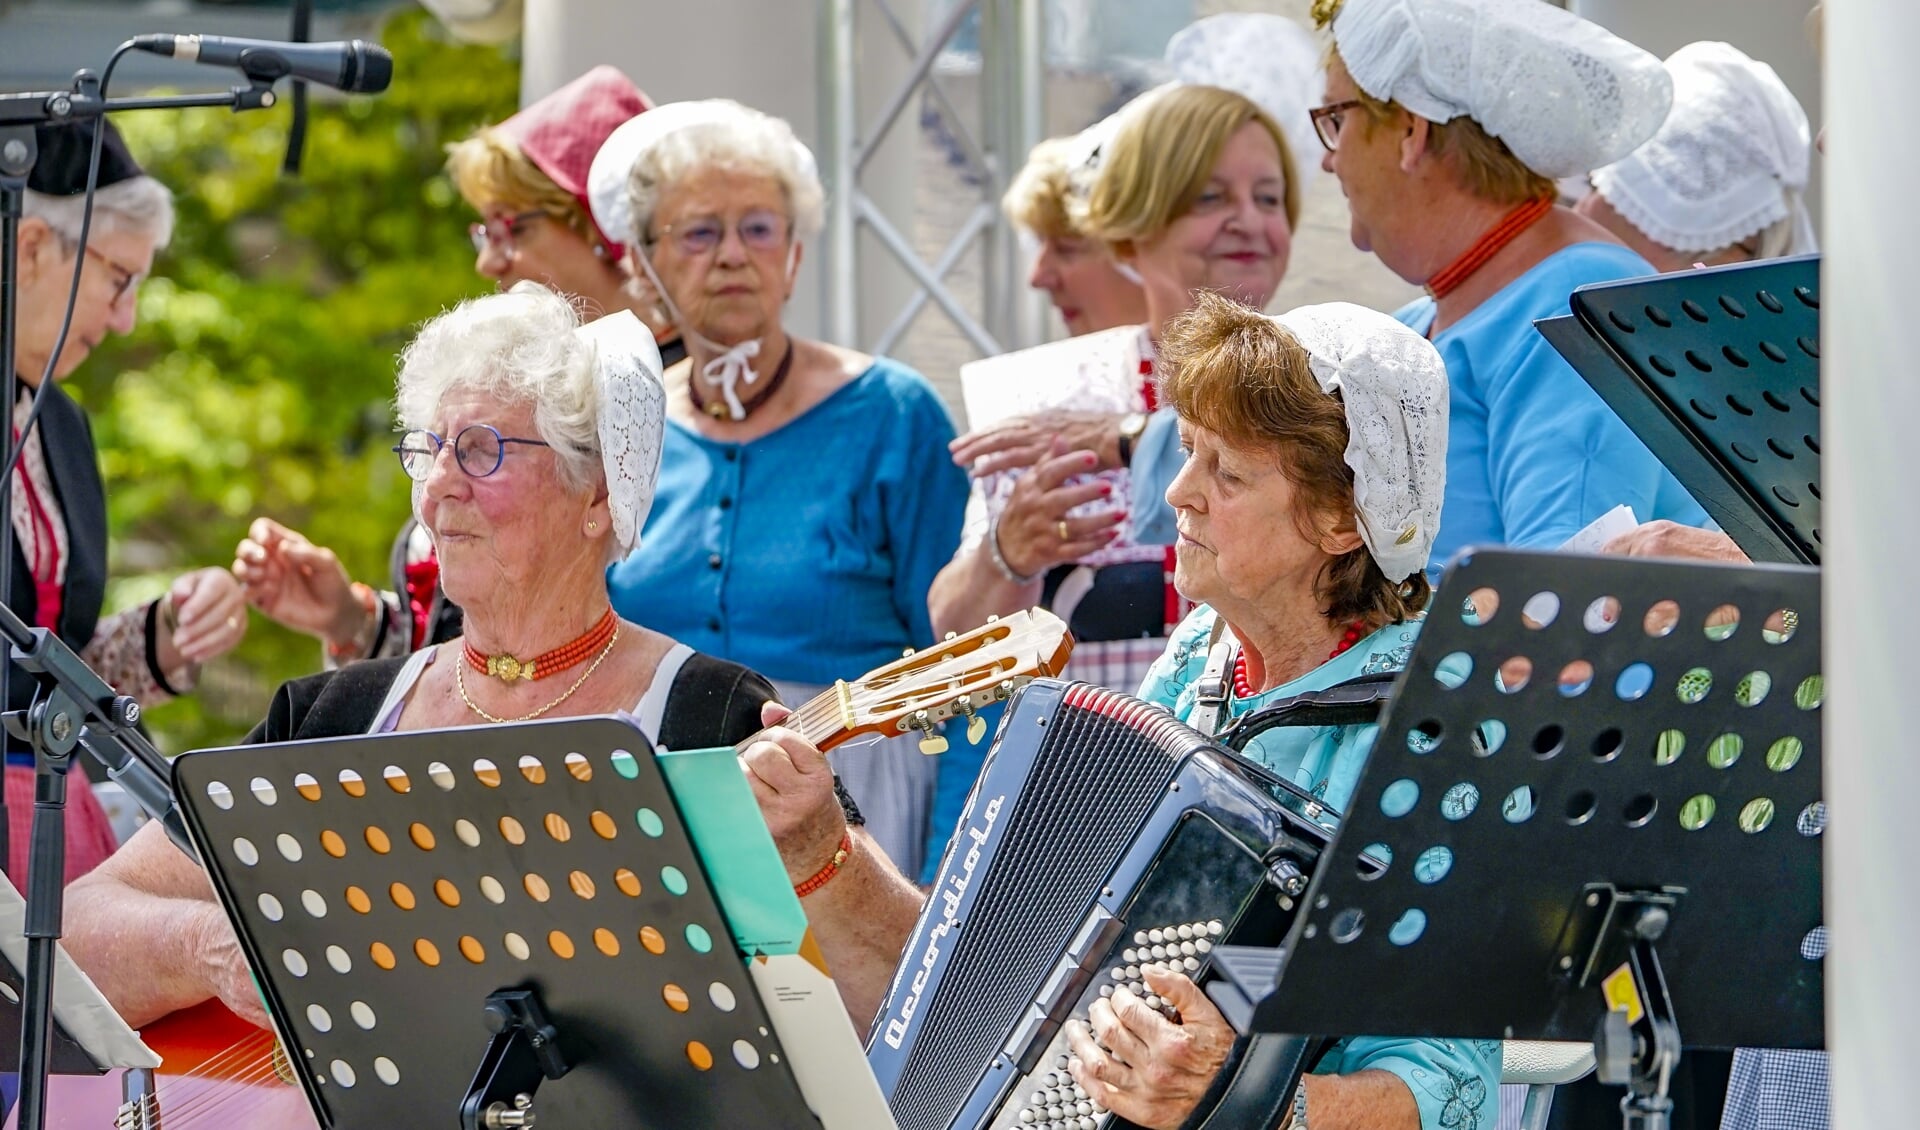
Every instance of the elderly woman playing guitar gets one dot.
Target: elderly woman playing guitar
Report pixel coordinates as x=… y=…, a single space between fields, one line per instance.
x=533 y=443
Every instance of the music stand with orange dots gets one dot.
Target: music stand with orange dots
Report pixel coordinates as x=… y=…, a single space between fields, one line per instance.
x=446 y=920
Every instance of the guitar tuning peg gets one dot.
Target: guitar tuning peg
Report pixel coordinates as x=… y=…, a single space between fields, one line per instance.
x=931 y=743
x=976 y=725
x=953 y=635
x=907 y=654
x=993 y=619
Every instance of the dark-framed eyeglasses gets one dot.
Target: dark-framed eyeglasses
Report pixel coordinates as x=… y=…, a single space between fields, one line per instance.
x=760 y=230
x=1328 y=119
x=479 y=449
x=501 y=231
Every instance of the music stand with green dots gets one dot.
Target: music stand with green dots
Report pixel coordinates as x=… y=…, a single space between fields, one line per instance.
x=1597 y=792
x=498 y=924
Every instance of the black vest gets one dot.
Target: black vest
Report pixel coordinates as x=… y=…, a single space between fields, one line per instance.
x=67 y=439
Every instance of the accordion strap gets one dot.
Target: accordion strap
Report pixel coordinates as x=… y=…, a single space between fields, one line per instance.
x=1210 y=693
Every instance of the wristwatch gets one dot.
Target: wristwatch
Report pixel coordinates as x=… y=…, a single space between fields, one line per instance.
x=1132 y=425
x=1299 y=1119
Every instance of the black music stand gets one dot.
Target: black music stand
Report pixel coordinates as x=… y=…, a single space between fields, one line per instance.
x=440 y=920
x=1718 y=372
x=1560 y=793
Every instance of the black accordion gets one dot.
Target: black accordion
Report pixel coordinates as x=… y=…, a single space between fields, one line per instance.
x=1102 y=835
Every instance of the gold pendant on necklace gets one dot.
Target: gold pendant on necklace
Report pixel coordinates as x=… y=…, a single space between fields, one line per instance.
x=507 y=669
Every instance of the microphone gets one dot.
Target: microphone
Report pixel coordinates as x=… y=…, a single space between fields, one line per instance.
x=356 y=66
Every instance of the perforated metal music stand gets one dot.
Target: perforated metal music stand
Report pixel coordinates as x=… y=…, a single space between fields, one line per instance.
x=1718 y=372
x=1579 y=747
x=389 y=890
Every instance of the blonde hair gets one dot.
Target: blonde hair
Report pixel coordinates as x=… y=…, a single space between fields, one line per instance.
x=492 y=172
x=1037 y=200
x=1242 y=376
x=1484 y=163
x=1162 y=157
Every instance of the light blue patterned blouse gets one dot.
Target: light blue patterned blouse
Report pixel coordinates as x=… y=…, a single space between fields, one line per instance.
x=1454 y=1082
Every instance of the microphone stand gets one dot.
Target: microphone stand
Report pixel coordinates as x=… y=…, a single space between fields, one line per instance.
x=73 y=707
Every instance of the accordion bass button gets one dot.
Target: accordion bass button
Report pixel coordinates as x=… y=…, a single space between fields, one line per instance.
x=1139 y=937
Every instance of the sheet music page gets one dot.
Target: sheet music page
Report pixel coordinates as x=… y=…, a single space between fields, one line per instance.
x=78 y=1006
x=770 y=931
x=1602 y=530
x=1097 y=372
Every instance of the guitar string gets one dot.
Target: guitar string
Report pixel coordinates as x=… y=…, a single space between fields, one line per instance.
x=213 y=1107
x=259 y=1049
x=195 y=1104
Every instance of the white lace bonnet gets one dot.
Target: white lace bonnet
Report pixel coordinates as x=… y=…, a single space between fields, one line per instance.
x=633 y=415
x=607 y=193
x=1566 y=95
x=1732 y=159
x=1269 y=59
x=1393 y=386
x=609 y=197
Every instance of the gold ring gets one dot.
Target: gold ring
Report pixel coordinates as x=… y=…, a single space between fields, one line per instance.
x=1062 y=527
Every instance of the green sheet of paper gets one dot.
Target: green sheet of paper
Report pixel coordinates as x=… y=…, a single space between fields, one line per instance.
x=742 y=864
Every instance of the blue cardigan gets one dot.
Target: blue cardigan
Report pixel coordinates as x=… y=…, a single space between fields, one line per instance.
x=807 y=553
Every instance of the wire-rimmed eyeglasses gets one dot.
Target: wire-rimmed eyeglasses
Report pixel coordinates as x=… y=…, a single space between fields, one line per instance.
x=761 y=229
x=1327 y=121
x=502 y=231
x=479 y=449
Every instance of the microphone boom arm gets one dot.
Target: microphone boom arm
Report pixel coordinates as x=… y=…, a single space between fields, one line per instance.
x=107 y=728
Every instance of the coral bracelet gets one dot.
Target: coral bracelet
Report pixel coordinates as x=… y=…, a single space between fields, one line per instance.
x=821 y=877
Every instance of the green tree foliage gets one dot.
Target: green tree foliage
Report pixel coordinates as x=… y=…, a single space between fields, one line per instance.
x=260 y=379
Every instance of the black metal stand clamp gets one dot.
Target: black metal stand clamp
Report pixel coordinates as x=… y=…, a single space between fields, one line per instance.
x=524 y=1051
x=1636 y=1045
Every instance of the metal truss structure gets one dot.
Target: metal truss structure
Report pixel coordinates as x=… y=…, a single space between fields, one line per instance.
x=1011 y=119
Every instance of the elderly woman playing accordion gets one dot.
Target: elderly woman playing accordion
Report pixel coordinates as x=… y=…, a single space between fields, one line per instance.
x=533 y=445
x=1306 y=509
x=1305 y=516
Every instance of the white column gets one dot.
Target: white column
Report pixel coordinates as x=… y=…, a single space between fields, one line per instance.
x=1871 y=401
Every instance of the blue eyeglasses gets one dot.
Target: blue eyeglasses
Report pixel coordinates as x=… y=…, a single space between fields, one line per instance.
x=479 y=449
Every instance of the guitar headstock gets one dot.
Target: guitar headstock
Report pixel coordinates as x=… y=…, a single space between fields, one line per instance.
x=957 y=676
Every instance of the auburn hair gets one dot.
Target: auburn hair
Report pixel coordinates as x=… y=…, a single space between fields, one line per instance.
x=1242 y=376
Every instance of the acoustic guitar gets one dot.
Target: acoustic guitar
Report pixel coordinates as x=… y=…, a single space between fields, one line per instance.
x=220 y=1072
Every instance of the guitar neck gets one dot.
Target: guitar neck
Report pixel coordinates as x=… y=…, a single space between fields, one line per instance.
x=825 y=720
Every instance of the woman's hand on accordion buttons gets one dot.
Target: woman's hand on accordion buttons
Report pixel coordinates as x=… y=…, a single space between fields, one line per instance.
x=1142 y=1066
x=794 y=785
